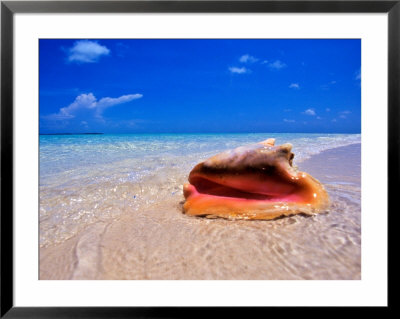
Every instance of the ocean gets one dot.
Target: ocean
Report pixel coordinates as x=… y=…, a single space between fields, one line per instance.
x=112 y=205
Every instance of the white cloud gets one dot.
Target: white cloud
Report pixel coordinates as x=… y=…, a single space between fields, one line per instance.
x=85 y=51
x=327 y=86
x=264 y=62
x=358 y=74
x=238 y=70
x=294 y=86
x=289 y=121
x=90 y=102
x=343 y=114
x=84 y=124
x=334 y=120
x=277 y=65
x=327 y=109
x=248 y=59
x=310 y=112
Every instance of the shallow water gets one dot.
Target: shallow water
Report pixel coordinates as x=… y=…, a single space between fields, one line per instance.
x=110 y=208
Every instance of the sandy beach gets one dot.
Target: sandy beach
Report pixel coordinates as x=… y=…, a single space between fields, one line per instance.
x=160 y=242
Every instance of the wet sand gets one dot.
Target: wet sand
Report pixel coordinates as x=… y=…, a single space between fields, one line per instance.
x=162 y=243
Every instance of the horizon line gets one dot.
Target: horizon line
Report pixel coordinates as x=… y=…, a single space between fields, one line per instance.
x=102 y=133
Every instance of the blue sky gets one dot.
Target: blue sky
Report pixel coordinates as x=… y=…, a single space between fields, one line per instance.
x=191 y=86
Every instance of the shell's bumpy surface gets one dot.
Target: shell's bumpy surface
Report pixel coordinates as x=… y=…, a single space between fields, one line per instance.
x=256 y=181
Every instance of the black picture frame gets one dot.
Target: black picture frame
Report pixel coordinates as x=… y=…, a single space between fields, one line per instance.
x=9 y=8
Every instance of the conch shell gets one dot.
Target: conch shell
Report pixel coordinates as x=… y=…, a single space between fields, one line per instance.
x=256 y=181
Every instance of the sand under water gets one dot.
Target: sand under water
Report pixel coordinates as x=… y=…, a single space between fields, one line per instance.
x=157 y=241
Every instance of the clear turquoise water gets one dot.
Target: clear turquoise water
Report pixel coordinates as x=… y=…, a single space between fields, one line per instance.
x=67 y=153
x=87 y=178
